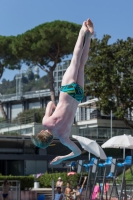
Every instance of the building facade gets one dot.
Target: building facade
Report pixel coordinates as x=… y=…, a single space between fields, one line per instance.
x=58 y=74
x=18 y=156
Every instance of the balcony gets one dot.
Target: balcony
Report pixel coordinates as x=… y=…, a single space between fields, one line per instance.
x=25 y=95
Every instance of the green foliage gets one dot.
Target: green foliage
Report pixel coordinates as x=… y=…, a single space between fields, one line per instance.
x=30 y=74
x=30 y=115
x=110 y=75
x=46 y=43
x=9 y=85
x=25 y=181
x=2 y=119
x=46 y=179
x=24 y=79
x=11 y=133
x=7 y=58
x=40 y=84
x=128 y=176
x=44 y=46
x=36 y=76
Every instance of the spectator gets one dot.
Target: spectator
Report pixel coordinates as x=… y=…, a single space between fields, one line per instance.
x=59 y=195
x=59 y=183
x=68 y=191
x=79 y=189
x=5 y=189
x=73 y=194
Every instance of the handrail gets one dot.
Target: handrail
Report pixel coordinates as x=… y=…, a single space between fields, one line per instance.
x=26 y=95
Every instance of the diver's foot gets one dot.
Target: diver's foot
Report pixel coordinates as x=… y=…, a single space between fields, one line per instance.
x=90 y=26
x=56 y=160
x=84 y=27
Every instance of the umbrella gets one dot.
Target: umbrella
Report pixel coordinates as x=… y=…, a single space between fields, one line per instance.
x=91 y=146
x=120 y=141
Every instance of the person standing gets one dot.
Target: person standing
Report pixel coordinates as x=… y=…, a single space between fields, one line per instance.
x=68 y=192
x=59 y=195
x=5 y=189
x=59 y=183
x=79 y=189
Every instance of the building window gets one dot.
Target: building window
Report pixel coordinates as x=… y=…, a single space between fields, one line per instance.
x=60 y=67
x=55 y=74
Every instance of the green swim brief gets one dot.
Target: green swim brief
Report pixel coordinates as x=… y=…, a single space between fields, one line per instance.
x=74 y=90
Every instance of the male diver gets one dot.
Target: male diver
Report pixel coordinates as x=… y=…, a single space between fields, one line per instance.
x=59 y=122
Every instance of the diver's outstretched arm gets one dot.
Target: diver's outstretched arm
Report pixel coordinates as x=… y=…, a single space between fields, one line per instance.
x=72 y=146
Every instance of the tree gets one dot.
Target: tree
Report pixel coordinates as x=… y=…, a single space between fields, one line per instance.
x=1 y=70
x=3 y=111
x=31 y=115
x=30 y=74
x=46 y=45
x=110 y=76
x=24 y=79
x=7 y=60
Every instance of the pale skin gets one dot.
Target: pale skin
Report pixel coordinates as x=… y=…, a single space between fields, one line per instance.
x=5 y=189
x=59 y=183
x=60 y=121
x=79 y=195
x=68 y=191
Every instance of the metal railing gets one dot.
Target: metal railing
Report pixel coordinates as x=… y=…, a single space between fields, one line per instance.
x=18 y=121
x=95 y=114
x=18 y=126
x=26 y=95
x=102 y=133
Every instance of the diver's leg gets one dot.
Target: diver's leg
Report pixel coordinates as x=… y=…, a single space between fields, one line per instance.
x=84 y=57
x=72 y=71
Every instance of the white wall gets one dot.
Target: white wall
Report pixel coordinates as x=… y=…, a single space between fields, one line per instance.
x=16 y=109
x=34 y=105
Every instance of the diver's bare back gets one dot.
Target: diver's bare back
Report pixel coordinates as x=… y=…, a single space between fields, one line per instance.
x=60 y=122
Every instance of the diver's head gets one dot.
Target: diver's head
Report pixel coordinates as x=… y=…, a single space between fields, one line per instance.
x=42 y=139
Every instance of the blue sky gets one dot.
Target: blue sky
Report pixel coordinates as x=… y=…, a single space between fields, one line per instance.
x=113 y=17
